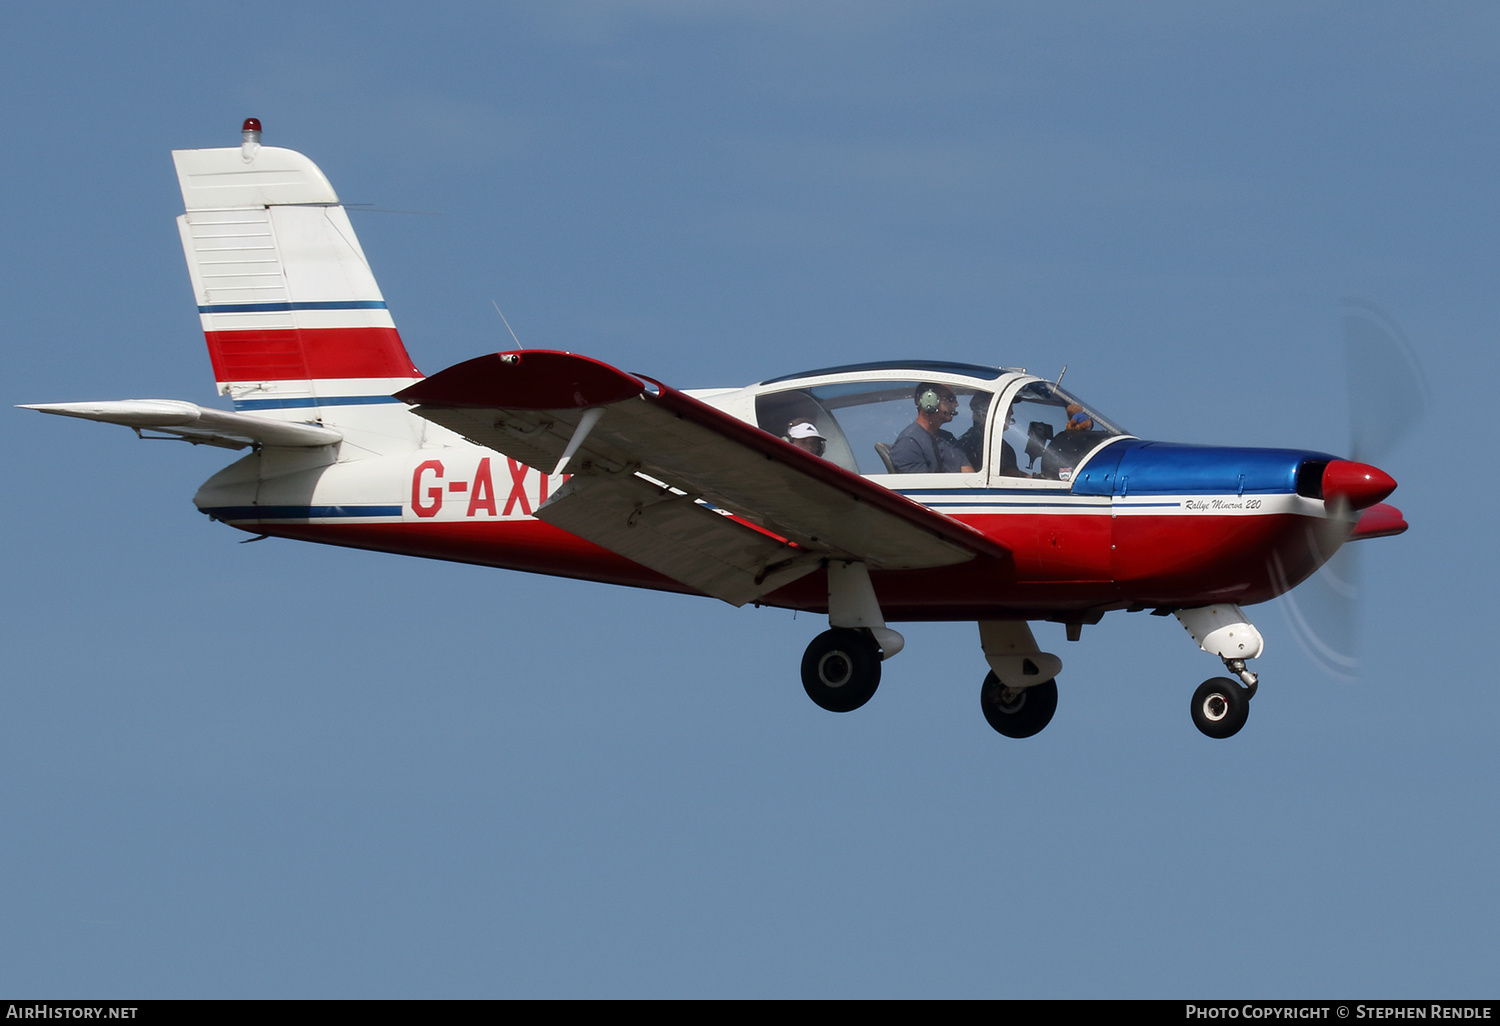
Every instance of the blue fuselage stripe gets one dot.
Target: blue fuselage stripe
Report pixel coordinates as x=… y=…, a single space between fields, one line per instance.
x=299 y=512
x=320 y=400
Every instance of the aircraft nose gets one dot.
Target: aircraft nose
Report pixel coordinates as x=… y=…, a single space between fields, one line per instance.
x=1358 y=484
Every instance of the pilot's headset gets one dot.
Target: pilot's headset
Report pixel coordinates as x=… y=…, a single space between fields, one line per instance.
x=929 y=399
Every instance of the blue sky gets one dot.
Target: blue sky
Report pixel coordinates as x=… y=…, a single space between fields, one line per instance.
x=284 y=770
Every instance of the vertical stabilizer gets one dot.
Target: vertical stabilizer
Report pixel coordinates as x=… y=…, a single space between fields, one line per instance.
x=296 y=326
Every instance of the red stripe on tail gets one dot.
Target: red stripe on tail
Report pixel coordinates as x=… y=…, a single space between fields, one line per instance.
x=299 y=354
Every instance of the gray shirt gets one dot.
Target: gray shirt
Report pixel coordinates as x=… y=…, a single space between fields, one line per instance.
x=917 y=452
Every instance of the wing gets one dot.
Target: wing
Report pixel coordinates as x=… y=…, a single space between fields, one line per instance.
x=679 y=486
x=197 y=424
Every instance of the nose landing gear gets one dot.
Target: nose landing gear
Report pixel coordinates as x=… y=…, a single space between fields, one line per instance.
x=1220 y=707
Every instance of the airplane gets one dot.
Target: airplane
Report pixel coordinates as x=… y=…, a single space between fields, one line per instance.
x=836 y=491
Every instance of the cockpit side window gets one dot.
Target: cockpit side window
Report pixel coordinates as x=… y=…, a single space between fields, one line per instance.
x=1051 y=432
x=862 y=421
x=778 y=412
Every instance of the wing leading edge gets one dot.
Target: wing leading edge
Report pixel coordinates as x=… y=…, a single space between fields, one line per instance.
x=654 y=472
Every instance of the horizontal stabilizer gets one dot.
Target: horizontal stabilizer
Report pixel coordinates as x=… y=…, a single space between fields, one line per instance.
x=196 y=424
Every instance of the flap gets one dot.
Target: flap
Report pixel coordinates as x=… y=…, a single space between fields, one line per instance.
x=669 y=532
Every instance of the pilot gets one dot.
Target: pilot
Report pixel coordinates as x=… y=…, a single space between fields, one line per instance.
x=923 y=447
x=972 y=441
x=803 y=433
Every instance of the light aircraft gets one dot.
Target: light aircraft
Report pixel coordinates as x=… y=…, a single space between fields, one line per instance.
x=834 y=491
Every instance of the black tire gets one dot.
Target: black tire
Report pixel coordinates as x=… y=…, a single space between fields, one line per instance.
x=1025 y=714
x=841 y=669
x=1220 y=707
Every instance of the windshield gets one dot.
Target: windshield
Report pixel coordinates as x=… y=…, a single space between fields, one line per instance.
x=1049 y=431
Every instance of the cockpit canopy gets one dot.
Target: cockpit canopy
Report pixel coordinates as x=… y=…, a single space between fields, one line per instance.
x=930 y=417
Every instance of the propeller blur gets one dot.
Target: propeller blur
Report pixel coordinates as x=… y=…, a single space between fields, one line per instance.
x=1387 y=397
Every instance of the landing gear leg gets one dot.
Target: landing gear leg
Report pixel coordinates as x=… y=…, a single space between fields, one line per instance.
x=1221 y=705
x=1019 y=695
x=841 y=668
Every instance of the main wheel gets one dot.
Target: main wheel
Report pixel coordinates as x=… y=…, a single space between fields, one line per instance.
x=1017 y=713
x=841 y=669
x=1220 y=707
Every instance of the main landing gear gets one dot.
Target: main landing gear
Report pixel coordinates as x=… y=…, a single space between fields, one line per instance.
x=1019 y=695
x=841 y=668
x=1017 y=712
x=1221 y=705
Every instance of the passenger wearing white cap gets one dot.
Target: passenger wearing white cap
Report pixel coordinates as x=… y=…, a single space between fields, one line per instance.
x=804 y=434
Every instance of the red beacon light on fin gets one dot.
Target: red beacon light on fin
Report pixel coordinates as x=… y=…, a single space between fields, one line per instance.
x=250 y=139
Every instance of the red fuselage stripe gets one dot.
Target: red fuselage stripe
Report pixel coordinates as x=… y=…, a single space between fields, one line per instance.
x=1061 y=562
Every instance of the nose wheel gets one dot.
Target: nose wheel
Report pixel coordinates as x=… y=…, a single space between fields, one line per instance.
x=1220 y=707
x=841 y=669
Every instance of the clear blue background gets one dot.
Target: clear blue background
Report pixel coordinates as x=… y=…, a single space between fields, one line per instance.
x=284 y=770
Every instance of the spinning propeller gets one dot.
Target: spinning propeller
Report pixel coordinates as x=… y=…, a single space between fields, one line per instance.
x=1387 y=396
